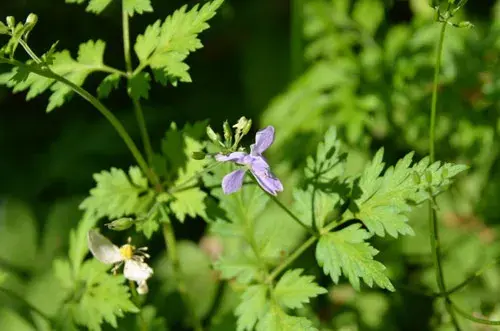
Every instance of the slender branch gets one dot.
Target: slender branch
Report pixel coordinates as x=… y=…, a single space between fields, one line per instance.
x=126 y=41
x=292 y=257
x=139 y=114
x=28 y=305
x=171 y=245
x=113 y=120
x=292 y=215
x=466 y=315
x=433 y=226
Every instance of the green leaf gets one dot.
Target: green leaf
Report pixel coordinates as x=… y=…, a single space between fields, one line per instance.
x=386 y=200
x=138 y=86
x=166 y=47
x=18 y=234
x=94 y=6
x=253 y=306
x=188 y=198
x=328 y=165
x=149 y=320
x=293 y=289
x=117 y=195
x=90 y=59
x=241 y=265
x=346 y=252
x=277 y=320
x=137 y=6
x=108 y=84
x=101 y=297
x=324 y=205
x=368 y=14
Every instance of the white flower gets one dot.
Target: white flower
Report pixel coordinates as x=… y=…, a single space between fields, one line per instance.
x=135 y=268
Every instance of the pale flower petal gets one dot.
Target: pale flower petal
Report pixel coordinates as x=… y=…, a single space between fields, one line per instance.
x=102 y=248
x=232 y=182
x=137 y=271
x=142 y=287
x=263 y=139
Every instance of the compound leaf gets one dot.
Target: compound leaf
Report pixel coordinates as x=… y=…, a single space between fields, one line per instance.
x=346 y=252
x=294 y=289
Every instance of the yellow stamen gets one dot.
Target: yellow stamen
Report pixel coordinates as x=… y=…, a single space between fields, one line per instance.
x=127 y=251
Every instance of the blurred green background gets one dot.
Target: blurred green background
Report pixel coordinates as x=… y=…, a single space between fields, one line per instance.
x=377 y=93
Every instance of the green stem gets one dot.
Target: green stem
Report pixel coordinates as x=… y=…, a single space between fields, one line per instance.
x=292 y=215
x=28 y=305
x=434 y=229
x=112 y=119
x=126 y=42
x=139 y=114
x=296 y=44
x=466 y=315
x=292 y=257
x=171 y=244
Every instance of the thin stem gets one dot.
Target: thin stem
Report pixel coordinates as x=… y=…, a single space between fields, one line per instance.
x=112 y=119
x=29 y=51
x=292 y=257
x=434 y=229
x=126 y=42
x=139 y=114
x=171 y=245
x=296 y=43
x=292 y=215
x=29 y=305
x=466 y=315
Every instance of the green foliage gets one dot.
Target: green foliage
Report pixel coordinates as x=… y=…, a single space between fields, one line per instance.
x=254 y=304
x=277 y=320
x=117 y=195
x=108 y=84
x=101 y=296
x=130 y=6
x=386 y=200
x=346 y=252
x=89 y=60
x=166 y=46
x=293 y=289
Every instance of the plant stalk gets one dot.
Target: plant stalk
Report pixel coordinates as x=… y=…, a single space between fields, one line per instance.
x=433 y=226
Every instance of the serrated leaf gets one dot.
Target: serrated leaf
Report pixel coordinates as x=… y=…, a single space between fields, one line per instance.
x=117 y=195
x=293 y=289
x=242 y=265
x=166 y=47
x=346 y=252
x=323 y=204
x=385 y=199
x=90 y=59
x=137 y=6
x=138 y=86
x=102 y=296
x=253 y=305
x=94 y=6
x=108 y=84
x=277 y=320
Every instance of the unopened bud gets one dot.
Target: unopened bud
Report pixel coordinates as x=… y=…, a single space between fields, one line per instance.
x=240 y=125
x=121 y=224
x=212 y=135
x=32 y=19
x=198 y=155
x=11 y=21
x=3 y=28
x=247 y=127
x=228 y=133
x=466 y=25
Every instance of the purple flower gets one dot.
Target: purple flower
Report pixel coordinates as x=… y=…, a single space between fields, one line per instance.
x=255 y=162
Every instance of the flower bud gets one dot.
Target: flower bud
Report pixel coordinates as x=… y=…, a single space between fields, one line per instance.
x=212 y=135
x=247 y=127
x=121 y=224
x=241 y=124
x=228 y=133
x=198 y=155
x=3 y=28
x=11 y=21
x=32 y=19
x=466 y=25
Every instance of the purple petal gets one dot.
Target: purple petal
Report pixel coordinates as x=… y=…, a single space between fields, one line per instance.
x=235 y=157
x=266 y=179
x=232 y=182
x=263 y=139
